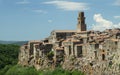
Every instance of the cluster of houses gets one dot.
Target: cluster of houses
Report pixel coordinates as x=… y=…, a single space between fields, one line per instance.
x=79 y=43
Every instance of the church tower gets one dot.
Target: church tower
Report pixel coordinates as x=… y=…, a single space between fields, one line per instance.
x=81 y=26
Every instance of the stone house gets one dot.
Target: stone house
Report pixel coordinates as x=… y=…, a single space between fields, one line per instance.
x=24 y=55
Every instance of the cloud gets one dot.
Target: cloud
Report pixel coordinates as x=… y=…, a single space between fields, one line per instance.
x=102 y=24
x=117 y=17
x=23 y=2
x=50 y=21
x=68 y=5
x=40 y=11
x=117 y=3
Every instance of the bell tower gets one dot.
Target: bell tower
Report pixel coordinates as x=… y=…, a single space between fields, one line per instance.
x=81 y=26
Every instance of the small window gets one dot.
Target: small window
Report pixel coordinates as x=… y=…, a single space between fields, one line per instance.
x=103 y=50
x=115 y=43
x=103 y=56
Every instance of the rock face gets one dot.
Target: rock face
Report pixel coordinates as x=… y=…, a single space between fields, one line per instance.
x=93 y=52
x=92 y=67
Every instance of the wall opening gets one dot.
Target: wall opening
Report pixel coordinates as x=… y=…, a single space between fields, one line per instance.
x=103 y=56
x=79 y=51
x=69 y=50
x=95 y=52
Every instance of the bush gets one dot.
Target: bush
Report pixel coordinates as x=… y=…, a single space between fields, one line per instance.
x=60 y=71
x=5 y=69
x=76 y=72
x=19 y=70
x=50 y=55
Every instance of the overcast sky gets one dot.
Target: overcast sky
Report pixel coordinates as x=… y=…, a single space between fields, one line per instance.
x=35 y=19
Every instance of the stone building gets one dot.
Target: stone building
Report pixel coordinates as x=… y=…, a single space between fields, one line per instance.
x=94 y=51
x=24 y=55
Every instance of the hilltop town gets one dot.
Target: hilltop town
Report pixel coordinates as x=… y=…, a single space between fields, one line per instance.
x=93 y=52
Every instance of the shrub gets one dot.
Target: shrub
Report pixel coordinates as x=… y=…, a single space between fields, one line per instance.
x=5 y=69
x=76 y=72
x=19 y=70
x=50 y=55
x=60 y=71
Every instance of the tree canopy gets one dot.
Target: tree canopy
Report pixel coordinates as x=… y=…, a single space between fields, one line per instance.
x=8 y=54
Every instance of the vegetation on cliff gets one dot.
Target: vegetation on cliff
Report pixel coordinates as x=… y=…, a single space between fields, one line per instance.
x=19 y=70
x=60 y=71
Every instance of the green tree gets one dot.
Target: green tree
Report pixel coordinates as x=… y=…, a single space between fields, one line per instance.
x=8 y=55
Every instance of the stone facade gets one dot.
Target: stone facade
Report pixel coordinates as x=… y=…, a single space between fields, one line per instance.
x=93 y=52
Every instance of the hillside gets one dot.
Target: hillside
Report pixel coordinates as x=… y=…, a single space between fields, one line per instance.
x=13 y=42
